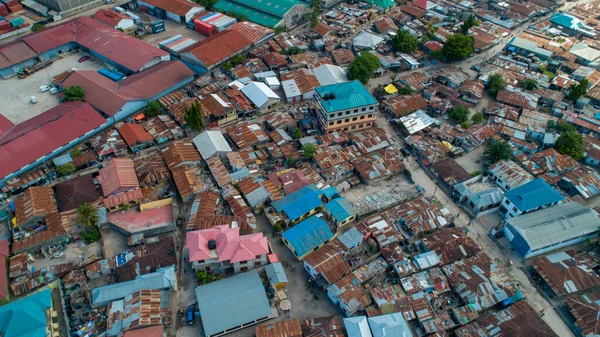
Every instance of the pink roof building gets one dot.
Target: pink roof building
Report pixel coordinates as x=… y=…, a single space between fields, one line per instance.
x=231 y=248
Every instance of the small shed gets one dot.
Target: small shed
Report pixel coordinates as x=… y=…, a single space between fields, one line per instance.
x=276 y=275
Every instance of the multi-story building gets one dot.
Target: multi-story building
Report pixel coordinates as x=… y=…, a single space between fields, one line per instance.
x=345 y=106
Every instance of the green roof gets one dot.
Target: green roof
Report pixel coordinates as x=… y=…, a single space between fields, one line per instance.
x=382 y=3
x=26 y=317
x=348 y=95
x=264 y=12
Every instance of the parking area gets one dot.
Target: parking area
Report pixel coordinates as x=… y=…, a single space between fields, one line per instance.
x=172 y=28
x=16 y=93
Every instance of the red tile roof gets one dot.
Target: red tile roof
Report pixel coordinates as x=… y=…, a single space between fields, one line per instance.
x=218 y=47
x=179 y=7
x=118 y=176
x=109 y=97
x=252 y=31
x=40 y=135
x=109 y=17
x=134 y=133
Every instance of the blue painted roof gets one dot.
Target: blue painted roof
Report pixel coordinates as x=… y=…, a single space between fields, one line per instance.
x=329 y=192
x=348 y=95
x=308 y=235
x=340 y=209
x=562 y=19
x=276 y=273
x=27 y=316
x=300 y=202
x=535 y=193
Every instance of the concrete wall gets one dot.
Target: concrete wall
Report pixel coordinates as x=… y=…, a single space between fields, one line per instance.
x=64 y=49
x=293 y=16
x=12 y=71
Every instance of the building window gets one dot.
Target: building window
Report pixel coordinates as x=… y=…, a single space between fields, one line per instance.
x=514 y=209
x=360 y=126
x=339 y=121
x=346 y=129
x=368 y=124
x=355 y=110
x=353 y=127
x=371 y=107
x=330 y=123
x=506 y=201
x=363 y=109
x=346 y=120
x=362 y=117
x=348 y=112
x=340 y=114
x=354 y=119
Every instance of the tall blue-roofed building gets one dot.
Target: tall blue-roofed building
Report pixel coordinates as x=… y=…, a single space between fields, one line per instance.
x=345 y=106
x=307 y=236
x=534 y=195
x=302 y=203
x=27 y=317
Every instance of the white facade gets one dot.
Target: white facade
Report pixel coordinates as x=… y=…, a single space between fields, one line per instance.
x=125 y=24
x=214 y=266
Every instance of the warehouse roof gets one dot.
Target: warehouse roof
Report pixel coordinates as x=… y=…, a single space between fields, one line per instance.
x=39 y=136
x=210 y=143
x=347 y=95
x=264 y=12
x=259 y=93
x=533 y=194
x=14 y=53
x=179 y=7
x=308 y=235
x=218 y=47
x=231 y=302
x=555 y=224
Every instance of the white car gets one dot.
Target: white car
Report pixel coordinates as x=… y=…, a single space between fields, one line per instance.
x=54 y=90
x=33 y=99
x=44 y=88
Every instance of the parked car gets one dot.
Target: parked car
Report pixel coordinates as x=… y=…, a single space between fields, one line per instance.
x=44 y=88
x=189 y=316
x=83 y=59
x=33 y=99
x=55 y=90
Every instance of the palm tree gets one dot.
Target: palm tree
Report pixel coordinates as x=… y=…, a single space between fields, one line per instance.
x=87 y=215
x=496 y=151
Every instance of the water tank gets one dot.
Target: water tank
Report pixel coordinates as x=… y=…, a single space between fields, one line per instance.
x=212 y=244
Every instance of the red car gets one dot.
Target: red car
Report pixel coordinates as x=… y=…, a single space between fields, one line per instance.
x=83 y=59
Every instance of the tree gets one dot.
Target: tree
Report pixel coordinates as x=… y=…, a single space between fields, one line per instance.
x=193 y=117
x=404 y=42
x=363 y=67
x=550 y=125
x=297 y=134
x=291 y=161
x=153 y=108
x=496 y=151
x=459 y=114
x=277 y=228
x=91 y=234
x=571 y=143
x=562 y=127
x=314 y=19
x=471 y=21
x=292 y=51
x=208 y=4
x=405 y=91
x=477 y=118
x=238 y=59
x=37 y=27
x=309 y=150
x=458 y=47
x=465 y=125
x=65 y=169
x=74 y=93
x=87 y=215
x=280 y=29
x=204 y=277
x=495 y=84
x=578 y=90
x=529 y=84
x=316 y=5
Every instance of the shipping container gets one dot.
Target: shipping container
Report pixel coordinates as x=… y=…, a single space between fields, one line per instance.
x=158 y=26
x=161 y=13
x=15 y=8
x=203 y=28
x=135 y=18
x=212 y=18
x=3 y=9
x=174 y=43
x=17 y=22
x=223 y=24
x=182 y=45
x=207 y=16
x=5 y=25
x=152 y=11
x=107 y=73
x=163 y=44
x=190 y=24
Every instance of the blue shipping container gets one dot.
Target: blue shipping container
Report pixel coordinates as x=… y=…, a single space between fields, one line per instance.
x=161 y=13
x=190 y=24
x=158 y=27
x=109 y=74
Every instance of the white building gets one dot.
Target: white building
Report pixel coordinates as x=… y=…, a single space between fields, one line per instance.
x=330 y=74
x=260 y=95
x=211 y=143
x=291 y=91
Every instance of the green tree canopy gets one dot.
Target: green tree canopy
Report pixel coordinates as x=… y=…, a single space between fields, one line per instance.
x=458 y=47
x=465 y=125
x=495 y=84
x=193 y=117
x=74 y=93
x=309 y=150
x=576 y=91
x=496 y=151
x=292 y=51
x=405 y=91
x=297 y=134
x=36 y=27
x=529 y=84
x=471 y=21
x=153 y=108
x=571 y=143
x=459 y=113
x=87 y=215
x=562 y=126
x=316 y=5
x=314 y=19
x=477 y=118
x=363 y=67
x=65 y=169
x=404 y=42
x=208 y=4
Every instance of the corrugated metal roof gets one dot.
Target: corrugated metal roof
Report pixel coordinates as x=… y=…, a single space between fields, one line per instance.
x=534 y=194
x=231 y=302
x=276 y=273
x=340 y=209
x=347 y=95
x=308 y=235
x=300 y=202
